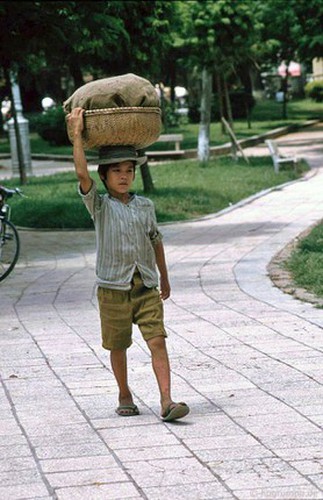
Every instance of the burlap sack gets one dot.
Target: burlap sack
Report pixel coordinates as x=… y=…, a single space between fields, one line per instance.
x=119 y=91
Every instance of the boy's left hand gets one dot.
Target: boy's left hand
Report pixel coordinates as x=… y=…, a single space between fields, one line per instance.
x=76 y=120
x=164 y=288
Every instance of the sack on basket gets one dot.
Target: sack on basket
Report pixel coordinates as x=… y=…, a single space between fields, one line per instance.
x=121 y=110
x=122 y=91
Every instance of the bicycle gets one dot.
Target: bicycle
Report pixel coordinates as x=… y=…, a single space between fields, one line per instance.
x=9 y=238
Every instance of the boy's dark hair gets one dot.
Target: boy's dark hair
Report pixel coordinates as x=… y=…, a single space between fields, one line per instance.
x=102 y=171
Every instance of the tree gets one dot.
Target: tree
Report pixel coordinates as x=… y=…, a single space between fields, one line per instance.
x=89 y=34
x=220 y=35
x=204 y=130
x=309 y=14
x=148 y=25
x=280 y=36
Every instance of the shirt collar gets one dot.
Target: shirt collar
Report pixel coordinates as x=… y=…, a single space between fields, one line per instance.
x=131 y=197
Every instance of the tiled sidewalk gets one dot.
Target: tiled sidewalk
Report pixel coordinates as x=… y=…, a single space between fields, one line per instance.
x=245 y=356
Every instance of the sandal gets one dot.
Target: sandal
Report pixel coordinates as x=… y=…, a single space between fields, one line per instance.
x=127 y=410
x=175 y=411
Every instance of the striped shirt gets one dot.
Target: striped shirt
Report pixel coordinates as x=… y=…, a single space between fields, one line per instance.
x=125 y=236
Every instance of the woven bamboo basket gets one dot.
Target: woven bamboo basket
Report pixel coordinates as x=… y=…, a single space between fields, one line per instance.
x=133 y=126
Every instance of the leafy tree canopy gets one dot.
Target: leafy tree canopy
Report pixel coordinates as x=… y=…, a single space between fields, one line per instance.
x=104 y=37
x=219 y=32
x=290 y=30
x=310 y=18
x=280 y=31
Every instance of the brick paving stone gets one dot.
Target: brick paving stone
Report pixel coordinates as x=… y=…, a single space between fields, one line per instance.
x=68 y=450
x=168 y=472
x=78 y=463
x=260 y=472
x=13 y=464
x=99 y=492
x=20 y=477
x=233 y=452
x=152 y=453
x=293 y=492
x=307 y=467
x=201 y=491
x=26 y=491
x=152 y=440
x=15 y=451
x=86 y=477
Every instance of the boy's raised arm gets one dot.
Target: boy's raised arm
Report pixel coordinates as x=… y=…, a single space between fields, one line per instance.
x=75 y=119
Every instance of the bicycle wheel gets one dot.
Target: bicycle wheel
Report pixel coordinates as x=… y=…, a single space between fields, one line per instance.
x=9 y=248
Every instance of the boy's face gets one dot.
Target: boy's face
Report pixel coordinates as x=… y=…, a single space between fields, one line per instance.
x=119 y=178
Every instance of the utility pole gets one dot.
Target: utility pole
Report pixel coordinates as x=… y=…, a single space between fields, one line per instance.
x=18 y=128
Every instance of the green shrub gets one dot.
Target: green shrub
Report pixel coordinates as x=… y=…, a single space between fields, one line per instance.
x=170 y=118
x=51 y=126
x=32 y=118
x=314 y=90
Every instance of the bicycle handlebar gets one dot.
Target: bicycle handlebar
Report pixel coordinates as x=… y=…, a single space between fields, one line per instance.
x=7 y=193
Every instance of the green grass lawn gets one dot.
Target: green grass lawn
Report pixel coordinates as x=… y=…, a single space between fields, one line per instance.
x=306 y=262
x=183 y=190
x=266 y=115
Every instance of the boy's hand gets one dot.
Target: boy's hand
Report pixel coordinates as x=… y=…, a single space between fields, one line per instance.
x=164 y=288
x=76 y=120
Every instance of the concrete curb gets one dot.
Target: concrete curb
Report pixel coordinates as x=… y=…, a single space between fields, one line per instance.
x=223 y=149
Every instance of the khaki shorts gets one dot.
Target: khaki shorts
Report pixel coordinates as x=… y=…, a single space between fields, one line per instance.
x=120 y=309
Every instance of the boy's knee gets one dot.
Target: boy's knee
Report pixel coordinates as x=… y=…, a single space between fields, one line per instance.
x=117 y=352
x=157 y=343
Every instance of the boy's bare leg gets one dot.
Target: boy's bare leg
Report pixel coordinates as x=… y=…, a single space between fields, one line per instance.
x=118 y=359
x=160 y=363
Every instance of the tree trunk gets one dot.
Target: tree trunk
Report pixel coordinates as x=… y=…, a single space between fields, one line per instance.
x=247 y=108
x=230 y=118
x=285 y=90
x=227 y=102
x=162 y=104
x=22 y=169
x=204 y=130
x=76 y=72
x=147 y=180
x=221 y=99
x=172 y=81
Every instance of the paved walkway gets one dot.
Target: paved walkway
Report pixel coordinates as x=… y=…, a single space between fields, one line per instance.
x=246 y=357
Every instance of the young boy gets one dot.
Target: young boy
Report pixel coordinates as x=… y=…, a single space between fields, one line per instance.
x=129 y=246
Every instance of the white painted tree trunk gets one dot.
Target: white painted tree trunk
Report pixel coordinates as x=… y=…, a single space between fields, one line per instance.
x=203 y=150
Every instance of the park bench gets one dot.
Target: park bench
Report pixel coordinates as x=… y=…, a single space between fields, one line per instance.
x=177 y=152
x=277 y=158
